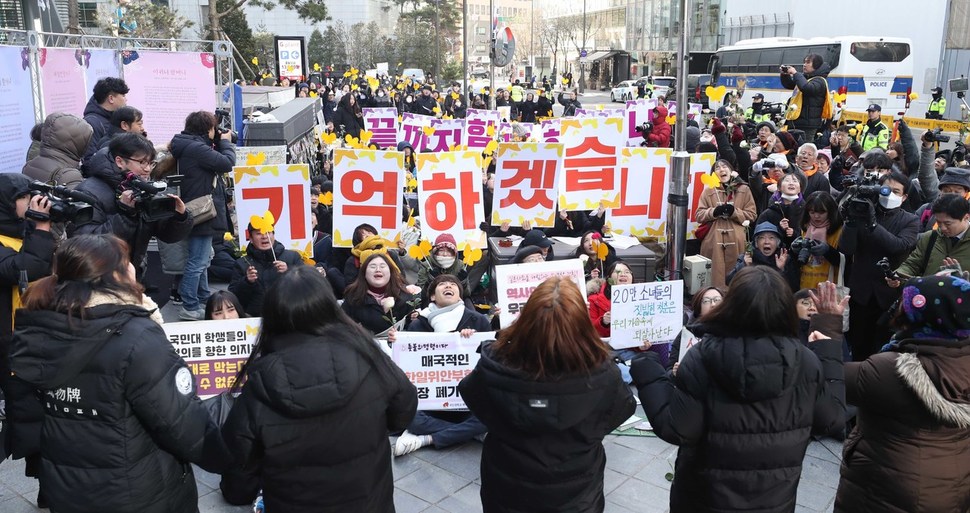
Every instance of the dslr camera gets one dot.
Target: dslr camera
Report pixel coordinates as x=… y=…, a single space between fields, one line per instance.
x=152 y=201
x=644 y=129
x=224 y=123
x=803 y=247
x=66 y=205
x=887 y=269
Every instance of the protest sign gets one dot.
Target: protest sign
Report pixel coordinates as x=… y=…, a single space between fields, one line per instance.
x=590 y=171
x=450 y=195
x=488 y=115
x=526 y=184
x=642 y=312
x=447 y=134
x=687 y=341
x=16 y=109
x=435 y=363
x=284 y=190
x=643 y=189
x=505 y=112
x=550 y=130
x=367 y=189
x=479 y=132
x=514 y=283
x=382 y=122
x=63 y=79
x=414 y=130
x=214 y=350
x=693 y=109
x=260 y=155
x=700 y=164
x=636 y=114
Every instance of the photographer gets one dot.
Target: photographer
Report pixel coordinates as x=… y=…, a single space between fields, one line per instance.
x=871 y=233
x=943 y=248
x=845 y=153
x=116 y=211
x=811 y=95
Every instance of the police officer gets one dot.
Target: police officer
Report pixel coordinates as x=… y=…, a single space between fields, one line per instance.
x=754 y=113
x=938 y=105
x=874 y=133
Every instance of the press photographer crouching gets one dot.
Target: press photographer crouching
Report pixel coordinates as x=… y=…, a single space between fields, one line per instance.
x=875 y=228
x=127 y=203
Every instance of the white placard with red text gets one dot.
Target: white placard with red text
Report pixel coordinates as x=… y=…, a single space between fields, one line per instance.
x=636 y=114
x=367 y=187
x=284 y=190
x=515 y=282
x=700 y=164
x=435 y=363
x=526 y=183
x=450 y=195
x=382 y=122
x=590 y=171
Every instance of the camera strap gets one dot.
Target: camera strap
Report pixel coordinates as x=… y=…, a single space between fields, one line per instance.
x=929 y=250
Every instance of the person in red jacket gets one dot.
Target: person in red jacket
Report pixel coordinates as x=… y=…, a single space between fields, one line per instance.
x=659 y=137
x=618 y=273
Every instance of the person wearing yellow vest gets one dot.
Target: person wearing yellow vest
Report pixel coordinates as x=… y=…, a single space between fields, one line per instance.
x=811 y=97
x=937 y=105
x=754 y=113
x=874 y=133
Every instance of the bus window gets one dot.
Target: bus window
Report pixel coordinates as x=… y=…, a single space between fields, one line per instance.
x=770 y=60
x=748 y=61
x=729 y=62
x=879 y=51
x=794 y=57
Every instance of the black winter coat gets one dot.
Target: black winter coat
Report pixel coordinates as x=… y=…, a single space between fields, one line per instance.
x=528 y=111
x=311 y=425
x=569 y=105
x=102 y=183
x=121 y=421
x=351 y=122
x=814 y=95
x=251 y=294
x=742 y=409
x=100 y=120
x=544 y=450
x=894 y=237
x=470 y=320
x=201 y=163
x=371 y=314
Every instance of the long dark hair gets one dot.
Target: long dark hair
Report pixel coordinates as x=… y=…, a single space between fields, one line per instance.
x=552 y=338
x=822 y=201
x=301 y=301
x=357 y=290
x=221 y=298
x=83 y=265
x=759 y=302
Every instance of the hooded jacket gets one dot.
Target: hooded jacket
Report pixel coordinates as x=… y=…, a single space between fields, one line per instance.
x=544 y=450
x=64 y=139
x=251 y=294
x=121 y=420
x=201 y=163
x=102 y=183
x=99 y=119
x=312 y=424
x=660 y=135
x=910 y=450
x=742 y=408
x=814 y=95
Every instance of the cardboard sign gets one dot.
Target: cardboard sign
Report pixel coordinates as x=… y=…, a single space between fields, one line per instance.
x=636 y=114
x=367 y=187
x=644 y=184
x=447 y=134
x=382 y=122
x=526 y=184
x=450 y=195
x=214 y=350
x=590 y=171
x=515 y=282
x=284 y=190
x=643 y=312
x=260 y=155
x=413 y=130
x=479 y=132
x=435 y=363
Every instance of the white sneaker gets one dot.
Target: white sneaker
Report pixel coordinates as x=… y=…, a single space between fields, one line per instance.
x=407 y=443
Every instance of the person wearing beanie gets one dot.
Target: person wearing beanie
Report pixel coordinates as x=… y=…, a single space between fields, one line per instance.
x=443 y=259
x=946 y=246
x=768 y=250
x=528 y=255
x=955 y=180
x=692 y=136
x=824 y=161
x=764 y=130
x=909 y=449
x=726 y=208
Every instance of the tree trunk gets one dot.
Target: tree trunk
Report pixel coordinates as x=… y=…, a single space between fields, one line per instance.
x=73 y=24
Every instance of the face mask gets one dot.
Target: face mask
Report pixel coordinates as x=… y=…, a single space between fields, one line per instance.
x=890 y=202
x=789 y=197
x=707 y=137
x=445 y=261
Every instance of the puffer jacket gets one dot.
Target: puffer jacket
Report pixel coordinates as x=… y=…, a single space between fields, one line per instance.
x=311 y=425
x=910 y=450
x=64 y=140
x=660 y=135
x=102 y=183
x=544 y=450
x=251 y=294
x=743 y=409
x=121 y=422
x=99 y=119
x=201 y=163
x=814 y=96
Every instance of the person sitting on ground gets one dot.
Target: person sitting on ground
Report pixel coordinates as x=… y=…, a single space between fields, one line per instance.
x=378 y=299
x=265 y=261
x=445 y=314
x=222 y=305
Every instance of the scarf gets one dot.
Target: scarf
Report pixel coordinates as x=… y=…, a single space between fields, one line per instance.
x=377 y=294
x=810 y=172
x=102 y=298
x=819 y=233
x=444 y=320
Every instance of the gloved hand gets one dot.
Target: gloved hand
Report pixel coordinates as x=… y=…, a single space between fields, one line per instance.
x=717 y=127
x=871 y=219
x=719 y=210
x=819 y=249
x=728 y=209
x=737 y=135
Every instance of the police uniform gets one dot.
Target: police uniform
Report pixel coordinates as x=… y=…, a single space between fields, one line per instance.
x=937 y=105
x=875 y=135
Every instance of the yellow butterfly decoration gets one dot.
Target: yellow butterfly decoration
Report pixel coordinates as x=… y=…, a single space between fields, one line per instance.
x=353 y=87
x=490 y=131
x=447 y=116
x=255 y=61
x=421 y=250
x=352 y=141
x=659 y=232
x=326 y=198
x=454 y=96
x=316 y=66
x=313 y=94
x=365 y=136
x=400 y=119
x=264 y=223
x=838 y=98
x=601 y=249
x=711 y=180
x=471 y=255
x=913 y=96
x=491 y=146
x=255 y=159
x=373 y=82
x=254 y=330
x=564 y=205
x=412 y=184
x=436 y=110
x=715 y=93
x=307 y=258
x=411 y=220
x=328 y=139
x=428 y=131
x=671 y=119
x=240 y=171
x=227 y=237
x=347 y=74
x=400 y=86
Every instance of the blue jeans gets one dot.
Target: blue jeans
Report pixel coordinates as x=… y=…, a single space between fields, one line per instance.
x=194 y=288
x=444 y=433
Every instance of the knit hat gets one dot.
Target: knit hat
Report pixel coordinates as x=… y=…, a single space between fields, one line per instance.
x=536 y=237
x=937 y=307
x=692 y=135
x=768 y=124
x=523 y=252
x=956 y=176
x=825 y=154
x=788 y=140
x=445 y=241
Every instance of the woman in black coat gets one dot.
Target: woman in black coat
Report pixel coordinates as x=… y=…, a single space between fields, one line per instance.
x=548 y=392
x=348 y=117
x=747 y=398
x=378 y=298
x=528 y=110
x=311 y=424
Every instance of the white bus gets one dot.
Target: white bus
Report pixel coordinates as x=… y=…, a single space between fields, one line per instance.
x=867 y=70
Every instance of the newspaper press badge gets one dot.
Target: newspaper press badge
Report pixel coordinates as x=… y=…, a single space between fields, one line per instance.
x=183 y=381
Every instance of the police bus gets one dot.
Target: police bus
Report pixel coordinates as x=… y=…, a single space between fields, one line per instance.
x=867 y=70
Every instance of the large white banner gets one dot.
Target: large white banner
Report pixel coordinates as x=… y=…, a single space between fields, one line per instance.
x=590 y=171
x=646 y=312
x=16 y=108
x=450 y=195
x=283 y=190
x=435 y=363
x=526 y=184
x=367 y=187
x=514 y=283
x=214 y=350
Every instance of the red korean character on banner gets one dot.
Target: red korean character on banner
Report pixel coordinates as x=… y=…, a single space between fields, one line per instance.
x=359 y=187
x=590 y=172
x=477 y=133
x=291 y=197
x=385 y=131
x=451 y=206
x=540 y=175
x=654 y=208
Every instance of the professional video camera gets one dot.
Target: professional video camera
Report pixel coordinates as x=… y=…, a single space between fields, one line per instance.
x=151 y=199
x=934 y=136
x=66 y=205
x=861 y=194
x=803 y=247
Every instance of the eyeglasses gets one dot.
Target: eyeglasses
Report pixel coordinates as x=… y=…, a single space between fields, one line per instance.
x=710 y=301
x=622 y=273
x=144 y=163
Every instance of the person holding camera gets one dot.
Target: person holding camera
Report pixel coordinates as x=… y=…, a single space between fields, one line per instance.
x=811 y=95
x=203 y=153
x=118 y=208
x=872 y=232
x=943 y=248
